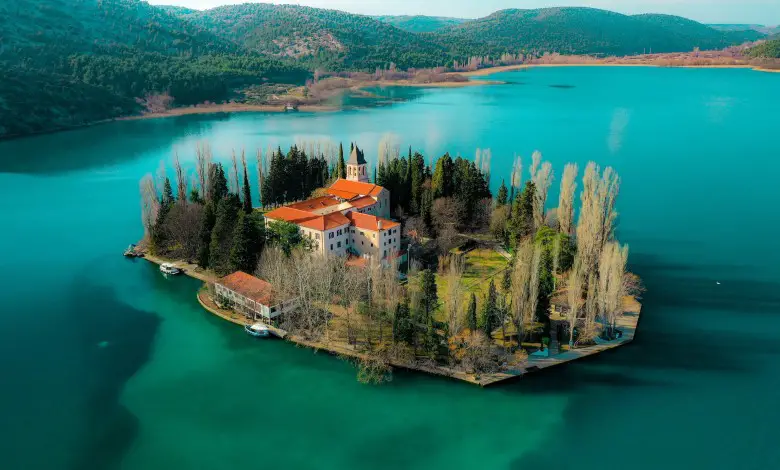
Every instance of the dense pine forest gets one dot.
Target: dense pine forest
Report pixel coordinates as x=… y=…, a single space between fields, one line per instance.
x=768 y=50
x=71 y=62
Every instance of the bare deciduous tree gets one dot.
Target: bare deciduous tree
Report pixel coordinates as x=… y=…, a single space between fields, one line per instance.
x=455 y=291
x=234 y=181
x=525 y=287
x=181 y=179
x=597 y=216
x=150 y=204
x=566 y=199
x=202 y=165
x=574 y=297
x=542 y=179
x=611 y=289
x=389 y=149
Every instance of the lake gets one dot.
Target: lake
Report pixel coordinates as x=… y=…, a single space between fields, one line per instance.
x=106 y=364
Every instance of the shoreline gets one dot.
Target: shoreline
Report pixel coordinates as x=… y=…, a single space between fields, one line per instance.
x=511 y=68
x=628 y=322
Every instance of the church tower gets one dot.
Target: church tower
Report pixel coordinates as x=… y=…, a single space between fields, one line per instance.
x=356 y=166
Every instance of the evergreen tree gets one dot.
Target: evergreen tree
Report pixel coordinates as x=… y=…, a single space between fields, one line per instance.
x=195 y=196
x=417 y=172
x=501 y=198
x=488 y=318
x=218 y=184
x=523 y=212
x=472 y=313
x=341 y=169
x=432 y=339
x=247 y=242
x=247 y=193
x=167 y=200
x=403 y=328
x=442 y=177
x=430 y=296
x=506 y=281
x=204 y=236
x=222 y=234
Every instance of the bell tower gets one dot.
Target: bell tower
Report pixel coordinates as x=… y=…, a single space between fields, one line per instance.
x=356 y=166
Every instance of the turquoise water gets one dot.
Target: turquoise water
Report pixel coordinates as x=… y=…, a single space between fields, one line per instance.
x=105 y=364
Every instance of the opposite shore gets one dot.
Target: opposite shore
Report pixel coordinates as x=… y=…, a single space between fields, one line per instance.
x=215 y=108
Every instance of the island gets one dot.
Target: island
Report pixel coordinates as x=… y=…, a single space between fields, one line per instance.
x=412 y=265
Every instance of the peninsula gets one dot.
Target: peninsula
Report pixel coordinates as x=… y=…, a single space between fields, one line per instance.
x=417 y=267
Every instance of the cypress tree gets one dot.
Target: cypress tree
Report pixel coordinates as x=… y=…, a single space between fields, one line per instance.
x=204 y=236
x=341 y=169
x=472 y=313
x=488 y=320
x=246 y=244
x=402 y=323
x=432 y=339
x=430 y=296
x=501 y=198
x=442 y=177
x=523 y=212
x=222 y=234
x=247 y=193
x=167 y=199
x=218 y=182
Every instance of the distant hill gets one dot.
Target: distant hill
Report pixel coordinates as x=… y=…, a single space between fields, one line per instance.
x=768 y=30
x=320 y=38
x=101 y=55
x=70 y=62
x=582 y=31
x=419 y=23
x=767 y=50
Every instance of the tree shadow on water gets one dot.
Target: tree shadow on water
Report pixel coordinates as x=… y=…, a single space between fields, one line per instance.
x=116 y=341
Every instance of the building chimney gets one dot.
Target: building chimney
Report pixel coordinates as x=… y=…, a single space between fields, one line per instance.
x=379 y=224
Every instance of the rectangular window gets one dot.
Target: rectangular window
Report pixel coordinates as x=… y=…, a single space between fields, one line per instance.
x=331 y=247
x=338 y=245
x=330 y=235
x=385 y=255
x=318 y=236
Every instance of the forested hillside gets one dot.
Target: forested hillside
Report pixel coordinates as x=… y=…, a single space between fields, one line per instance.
x=766 y=50
x=419 y=23
x=318 y=38
x=71 y=62
x=101 y=55
x=582 y=31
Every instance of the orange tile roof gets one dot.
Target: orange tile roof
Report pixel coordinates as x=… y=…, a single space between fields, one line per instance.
x=370 y=222
x=325 y=222
x=249 y=286
x=342 y=194
x=355 y=187
x=289 y=214
x=315 y=204
x=363 y=202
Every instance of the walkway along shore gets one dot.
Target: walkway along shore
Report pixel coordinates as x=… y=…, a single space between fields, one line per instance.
x=627 y=323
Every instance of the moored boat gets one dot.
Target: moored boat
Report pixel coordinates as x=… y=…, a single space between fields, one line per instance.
x=258 y=330
x=168 y=268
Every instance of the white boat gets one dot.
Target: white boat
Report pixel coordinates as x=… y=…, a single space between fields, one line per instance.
x=258 y=330
x=168 y=268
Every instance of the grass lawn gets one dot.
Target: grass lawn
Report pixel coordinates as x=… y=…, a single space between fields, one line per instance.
x=482 y=265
